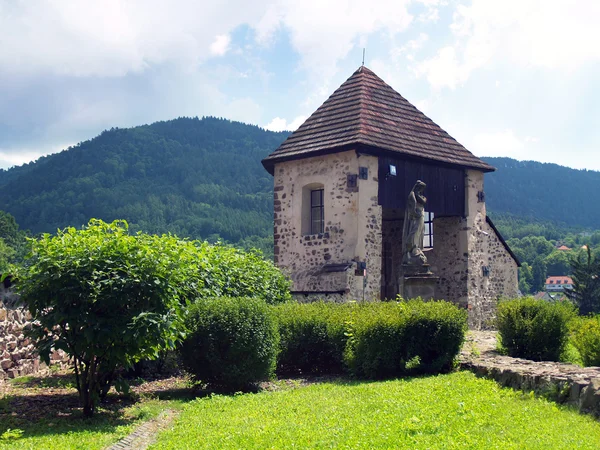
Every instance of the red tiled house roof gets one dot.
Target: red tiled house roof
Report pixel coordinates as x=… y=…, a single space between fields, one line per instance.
x=366 y=114
x=559 y=280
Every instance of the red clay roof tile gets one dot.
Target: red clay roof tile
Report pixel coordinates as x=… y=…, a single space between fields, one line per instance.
x=365 y=111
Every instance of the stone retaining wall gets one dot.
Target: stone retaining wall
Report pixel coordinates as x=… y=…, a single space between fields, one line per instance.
x=17 y=353
x=564 y=383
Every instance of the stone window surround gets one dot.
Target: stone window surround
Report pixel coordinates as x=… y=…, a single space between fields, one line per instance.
x=307 y=207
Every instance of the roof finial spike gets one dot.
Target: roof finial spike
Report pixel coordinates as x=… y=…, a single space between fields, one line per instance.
x=363 y=61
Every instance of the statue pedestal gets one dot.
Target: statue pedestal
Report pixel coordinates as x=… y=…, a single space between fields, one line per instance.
x=417 y=281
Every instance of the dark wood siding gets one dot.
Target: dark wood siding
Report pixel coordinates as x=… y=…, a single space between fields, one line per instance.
x=445 y=189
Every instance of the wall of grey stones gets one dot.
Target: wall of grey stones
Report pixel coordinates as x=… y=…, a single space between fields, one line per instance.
x=449 y=259
x=501 y=281
x=17 y=353
x=391 y=265
x=352 y=231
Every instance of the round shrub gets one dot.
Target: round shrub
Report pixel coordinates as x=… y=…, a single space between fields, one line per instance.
x=434 y=334
x=585 y=337
x=232 y=342
x=397 y=338
x=313 y=338
x=534 y=329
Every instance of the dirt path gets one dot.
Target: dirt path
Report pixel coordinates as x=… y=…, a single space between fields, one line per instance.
x=478 y=343
x=146 y=433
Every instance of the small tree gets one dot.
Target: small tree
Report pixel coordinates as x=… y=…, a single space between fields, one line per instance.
x=538 y=270
x=107 y=298
x=586 y=282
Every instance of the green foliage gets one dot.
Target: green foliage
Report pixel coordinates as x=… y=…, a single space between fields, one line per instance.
x=6 y=255
x=396 y=338
x=529 y=189
x=229 y=272
x=313 y=337
x=371 y=339
x=539 y=272
x=13 y=244
x=107 y=298
x=232 y=342
x=454 y=411
x=585 y=337
x=534 y=329
x=196 y=178
x=525 y=278
x=586 y=282
x=558 y=263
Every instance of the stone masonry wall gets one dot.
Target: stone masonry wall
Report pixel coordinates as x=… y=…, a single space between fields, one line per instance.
x=462 y=247
x=391 y=256
x=502 y=279
x=352 y=224
x=449 y=259
x=17 y=355
x=485 y=250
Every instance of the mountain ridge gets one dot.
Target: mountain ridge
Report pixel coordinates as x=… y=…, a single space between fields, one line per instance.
x=203 y=178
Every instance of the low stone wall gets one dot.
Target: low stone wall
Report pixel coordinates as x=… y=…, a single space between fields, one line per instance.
x=564 y=383
x=17 y=353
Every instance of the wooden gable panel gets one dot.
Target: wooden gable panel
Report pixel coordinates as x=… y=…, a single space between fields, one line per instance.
x=445 y=190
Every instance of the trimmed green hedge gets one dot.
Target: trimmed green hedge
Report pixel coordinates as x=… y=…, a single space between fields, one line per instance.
x=232 y=342
x=398 y=338
x=534 y=329
x=585 y=337
x=369 y=340
x=313 y=337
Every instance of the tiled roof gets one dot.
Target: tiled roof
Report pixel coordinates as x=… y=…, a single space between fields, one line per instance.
x=563 y=247
x=559 y=280
x=367 y=114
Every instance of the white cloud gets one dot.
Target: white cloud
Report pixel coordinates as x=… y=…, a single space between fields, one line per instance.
x=325 y=32
x=12 y=157
x=423 y=105
x=432 y=11
x=280 y=124
x=244 y=110
x=444 y=70
x=502 y=143
x=552 y=34
x=220 y=45
x=411 y=48
x=114 y=38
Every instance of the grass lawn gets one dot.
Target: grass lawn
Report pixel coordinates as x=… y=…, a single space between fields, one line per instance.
x=43 y=413
x=447 y=411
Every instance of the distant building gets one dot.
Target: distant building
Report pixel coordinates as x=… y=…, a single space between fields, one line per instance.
x=563 y=248
x=559 y=283
x=341 y=183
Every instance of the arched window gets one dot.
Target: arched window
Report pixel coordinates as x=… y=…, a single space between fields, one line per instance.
x=313 y=209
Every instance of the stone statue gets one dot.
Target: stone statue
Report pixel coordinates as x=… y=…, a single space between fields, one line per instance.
x=414 y=227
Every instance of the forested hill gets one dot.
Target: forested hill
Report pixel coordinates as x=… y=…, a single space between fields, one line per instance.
x=202 y=178
x=193 y=177
x=540 y=191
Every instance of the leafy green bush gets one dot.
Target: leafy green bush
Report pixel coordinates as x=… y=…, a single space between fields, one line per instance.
x=585 y=337
x=397 y=338
x=229 y=272
x=107 y=298
x=312 y=337
x=232 y=342
x=534 y=329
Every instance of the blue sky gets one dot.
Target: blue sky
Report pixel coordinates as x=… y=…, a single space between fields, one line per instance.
x=517 y=78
